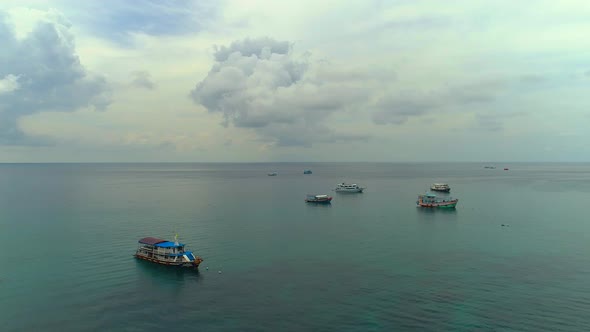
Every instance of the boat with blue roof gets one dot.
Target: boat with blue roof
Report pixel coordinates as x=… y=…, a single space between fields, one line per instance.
x=166 y=252
x=430 y=200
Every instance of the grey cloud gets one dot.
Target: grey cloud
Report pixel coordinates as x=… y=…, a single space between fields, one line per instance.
x=303 y=133
x=399 y=108
x=261 y=84
x=490 y=122
x=248 y=47
x=49 y=75
x=431 y=22
x=142 y=79
x=329 y=72
x=532 y=79
x=494 y=121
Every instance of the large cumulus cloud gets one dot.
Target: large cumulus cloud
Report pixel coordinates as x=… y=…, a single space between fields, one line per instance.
x=262 y=84
x=42 y=72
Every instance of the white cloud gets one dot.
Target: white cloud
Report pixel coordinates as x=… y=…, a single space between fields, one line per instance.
x=9 y=83
x=330 y=75
x=263 y=84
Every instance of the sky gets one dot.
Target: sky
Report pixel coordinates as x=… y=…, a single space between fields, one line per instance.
x=265 y=81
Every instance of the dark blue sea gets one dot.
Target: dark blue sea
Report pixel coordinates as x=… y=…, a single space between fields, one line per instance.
x=367 y=262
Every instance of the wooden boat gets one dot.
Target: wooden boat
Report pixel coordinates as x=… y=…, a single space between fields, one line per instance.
x=431 y=201
x=166 y=253
x=319 y=199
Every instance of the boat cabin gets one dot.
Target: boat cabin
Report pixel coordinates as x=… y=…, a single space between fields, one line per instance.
x=429 y=198
x=348 y=185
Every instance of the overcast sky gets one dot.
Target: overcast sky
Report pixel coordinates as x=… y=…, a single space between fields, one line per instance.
x=405 y=80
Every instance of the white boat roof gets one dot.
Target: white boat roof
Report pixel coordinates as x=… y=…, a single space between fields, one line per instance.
x=321 y=196
x=441 y=184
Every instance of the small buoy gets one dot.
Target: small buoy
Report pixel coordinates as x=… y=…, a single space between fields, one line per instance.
x=219 y=272
x=207 y=268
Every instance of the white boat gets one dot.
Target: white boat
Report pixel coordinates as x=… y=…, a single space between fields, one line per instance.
x=272 y=174
x=349 y=188
x=440 y=187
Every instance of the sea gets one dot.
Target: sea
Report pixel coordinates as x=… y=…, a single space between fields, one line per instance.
x=513 y=256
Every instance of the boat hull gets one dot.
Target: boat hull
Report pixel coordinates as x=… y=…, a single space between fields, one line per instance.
x=442 y=205
x=323 y=201
x=353 y=191
x=194 y=263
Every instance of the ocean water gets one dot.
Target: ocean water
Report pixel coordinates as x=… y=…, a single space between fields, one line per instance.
x=367 y=262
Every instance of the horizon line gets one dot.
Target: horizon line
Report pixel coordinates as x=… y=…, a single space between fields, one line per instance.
x=290 y=162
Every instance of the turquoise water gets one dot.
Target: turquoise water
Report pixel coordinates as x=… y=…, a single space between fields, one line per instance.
x=368 y=262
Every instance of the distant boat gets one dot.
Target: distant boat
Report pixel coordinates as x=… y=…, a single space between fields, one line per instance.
x=490 y=167
x=348 y=188
x=272 y=174
x=431 y=201
x=505 y=168
x=166 y=253
x=440 y=187
x=307 y=171
x=320 y=199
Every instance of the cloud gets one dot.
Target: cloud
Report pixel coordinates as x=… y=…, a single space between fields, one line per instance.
x=43 y=74
x=532 y=79
x=9 y=83
x=142 y=79
x=119 y=20
x=263 y=84
x=398 y=108
x=249 y=47
x=402 y=25
x=494 y=121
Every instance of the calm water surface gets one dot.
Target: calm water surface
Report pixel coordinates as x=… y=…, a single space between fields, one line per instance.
x=368 y=262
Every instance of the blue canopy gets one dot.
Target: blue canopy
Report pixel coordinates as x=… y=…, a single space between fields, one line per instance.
x=168 y=244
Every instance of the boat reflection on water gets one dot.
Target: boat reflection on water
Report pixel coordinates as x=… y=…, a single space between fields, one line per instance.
x=165 y=273
x=328 y=206
x=437 y=211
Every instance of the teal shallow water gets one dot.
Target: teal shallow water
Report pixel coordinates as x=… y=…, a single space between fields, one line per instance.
x=369 y=262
